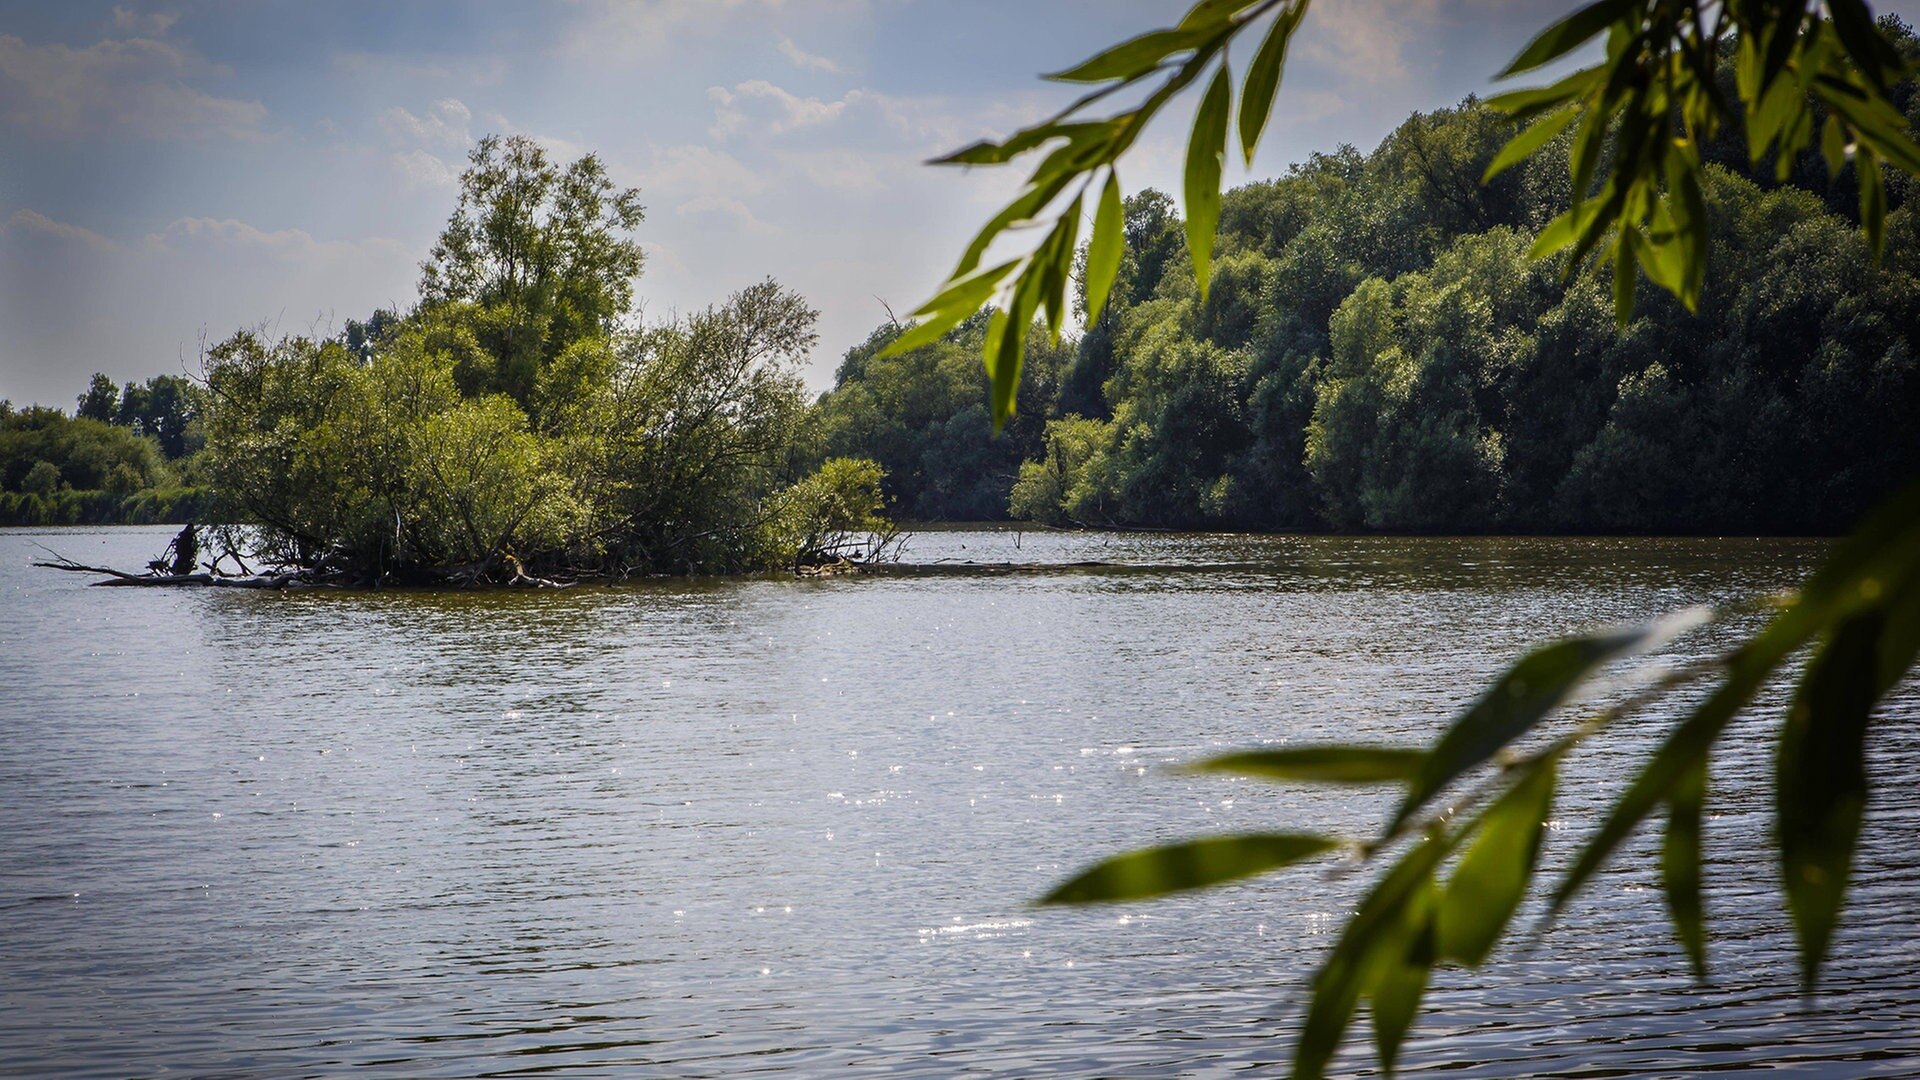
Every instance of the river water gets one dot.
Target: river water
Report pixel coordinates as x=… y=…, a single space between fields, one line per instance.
x=792 y=827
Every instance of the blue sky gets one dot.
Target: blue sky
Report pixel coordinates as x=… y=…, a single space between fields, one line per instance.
x=174 y=170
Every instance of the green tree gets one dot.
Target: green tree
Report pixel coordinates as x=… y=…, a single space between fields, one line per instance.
x=101 y=401
x=534 y=258
x=42 y=479
x=923 y=416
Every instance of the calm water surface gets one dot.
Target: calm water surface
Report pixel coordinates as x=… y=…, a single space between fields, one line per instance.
x=784 y=827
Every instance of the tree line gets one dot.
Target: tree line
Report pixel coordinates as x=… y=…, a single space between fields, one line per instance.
x=1377 y=351
x=125 y=456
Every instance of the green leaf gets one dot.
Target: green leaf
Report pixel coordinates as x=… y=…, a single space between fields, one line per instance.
x=1680 y=864
x=1263 y=77
x=1031 y=201
x=1193 y=864
x=1352 y=962
x=1873 y=203
x=1526 y=692
x=953 y=306
x=1663 y=256
x=1213 y=13
x=1136 y=57
x=1534 y=100
x=1492 y=876
x=1006 y=343
x=1206 y=151
x=1569 y=34
x=1872 y=54
x=968 y=293
x=1833 y=144
x=1104 y=251
x=1689 y=208
x=1766 y=121
x=1626 y=274
x=1566 y=228
x=1321 y=764
x=1057 y=267
x=1821 y=780
x=1529 y=142
x=993 y=153
x=1397 y=979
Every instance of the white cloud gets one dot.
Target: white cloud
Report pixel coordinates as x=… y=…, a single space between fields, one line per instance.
x=421 y=170
x=758 y=104
x=1367 y=41
x=846 y=171
x=231 y=235
x=145 y=24
x=137 y=87
x=34 y=223
x=699 y=170
x=424 y=140
x=808 y=61
x=445 y=124
x=722 y=208
x=626 y=29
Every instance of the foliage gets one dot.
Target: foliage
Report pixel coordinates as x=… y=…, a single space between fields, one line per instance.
x=1646 y=110
x=77 y=452
x=832 y=515
x=923 y=415
x=539 y=256
x=1364 y=362
x=656 y=449
x=518 y=420
x=1634 y=126
x=166 y=408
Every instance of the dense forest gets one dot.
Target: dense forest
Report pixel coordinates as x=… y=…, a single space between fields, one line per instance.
x=1378 y=352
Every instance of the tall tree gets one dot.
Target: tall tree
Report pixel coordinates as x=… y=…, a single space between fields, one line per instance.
x=535 y=258
x=101 y=401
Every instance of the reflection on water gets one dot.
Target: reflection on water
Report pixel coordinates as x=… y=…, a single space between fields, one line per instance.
x=780 y=826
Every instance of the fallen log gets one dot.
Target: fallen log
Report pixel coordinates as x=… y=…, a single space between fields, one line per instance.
x=284 y=580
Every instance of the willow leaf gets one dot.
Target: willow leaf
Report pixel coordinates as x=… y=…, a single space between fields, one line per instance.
x=1192 y=864
x=1263 y=77
x=1680 y=864
x=1569 y=34
x=1346 y=972
x=1106 y=247
x=1528 y=142
x=1206 y=151
x=1821 y=783
x=1526 y=692
x=1007 y=348
x=1135 y=57
x=1397 y=979
x=1322 y=764
x=1491 y=878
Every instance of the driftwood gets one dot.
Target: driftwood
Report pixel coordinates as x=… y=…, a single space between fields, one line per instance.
x=110 y=576
x=461 y=576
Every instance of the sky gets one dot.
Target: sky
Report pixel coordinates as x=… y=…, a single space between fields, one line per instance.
x=174 y=171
